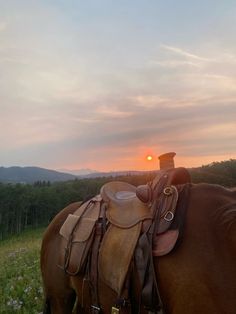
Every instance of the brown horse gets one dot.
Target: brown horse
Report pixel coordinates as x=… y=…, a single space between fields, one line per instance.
x=198 y=276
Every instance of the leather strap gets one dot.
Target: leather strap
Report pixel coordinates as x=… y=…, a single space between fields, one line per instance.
x=150 y=296
x=94 y=268
x=100 y=229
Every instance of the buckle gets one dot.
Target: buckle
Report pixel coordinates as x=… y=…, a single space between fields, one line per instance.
x=168 y=190
x=169 y=216
x=115 y=310
x=95 y=308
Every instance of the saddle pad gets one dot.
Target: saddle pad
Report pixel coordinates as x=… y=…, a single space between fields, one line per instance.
x=115 y=255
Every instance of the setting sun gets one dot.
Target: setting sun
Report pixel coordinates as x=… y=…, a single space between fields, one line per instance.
x=149 y=157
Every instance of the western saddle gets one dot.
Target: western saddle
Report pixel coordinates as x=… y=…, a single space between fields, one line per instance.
x=125 y=226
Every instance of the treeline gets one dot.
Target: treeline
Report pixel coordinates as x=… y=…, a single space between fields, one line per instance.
x=28 y=206
x=23 y=206
x=223 y=173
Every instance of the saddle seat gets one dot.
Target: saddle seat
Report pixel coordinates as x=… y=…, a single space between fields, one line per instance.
x=124 y=208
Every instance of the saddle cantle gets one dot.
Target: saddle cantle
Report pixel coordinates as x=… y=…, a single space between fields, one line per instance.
x=124 y=209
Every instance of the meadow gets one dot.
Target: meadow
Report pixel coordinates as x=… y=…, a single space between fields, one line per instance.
x=20 y=280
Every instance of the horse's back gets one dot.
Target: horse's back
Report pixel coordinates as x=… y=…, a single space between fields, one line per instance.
x=200 y=273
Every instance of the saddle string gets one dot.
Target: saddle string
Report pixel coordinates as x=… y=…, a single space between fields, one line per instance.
x=100 y=229
x=150 y=292
x=143 y=255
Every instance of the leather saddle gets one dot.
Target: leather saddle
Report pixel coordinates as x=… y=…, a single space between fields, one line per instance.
x=130 y=213
x=128 y=205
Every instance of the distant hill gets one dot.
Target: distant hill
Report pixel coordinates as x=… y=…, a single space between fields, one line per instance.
x=32 y=174
x=89 y=173
x=223 y=173
x=78 y=172
x=114 y=174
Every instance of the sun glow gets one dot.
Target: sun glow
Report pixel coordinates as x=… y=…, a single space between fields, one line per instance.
x=149 y=158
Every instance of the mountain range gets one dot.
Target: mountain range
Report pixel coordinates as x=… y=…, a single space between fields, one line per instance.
x=78 y=172
x=223 y=173
x=32 y=174
x=29 y=175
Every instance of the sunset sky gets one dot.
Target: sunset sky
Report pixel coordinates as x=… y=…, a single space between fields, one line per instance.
x=101 y=84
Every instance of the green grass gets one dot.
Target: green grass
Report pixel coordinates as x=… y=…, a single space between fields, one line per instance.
x=20 y=279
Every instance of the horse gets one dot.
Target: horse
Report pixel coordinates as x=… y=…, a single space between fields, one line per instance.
x=197 y=276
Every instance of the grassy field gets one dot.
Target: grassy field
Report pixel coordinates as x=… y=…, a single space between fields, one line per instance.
x=20 y=280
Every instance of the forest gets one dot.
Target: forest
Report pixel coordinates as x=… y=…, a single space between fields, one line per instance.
x=25 y=206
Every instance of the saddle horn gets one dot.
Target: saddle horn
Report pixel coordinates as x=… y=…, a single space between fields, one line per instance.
x=144 y=193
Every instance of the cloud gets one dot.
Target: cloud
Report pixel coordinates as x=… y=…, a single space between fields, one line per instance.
x=162 y=111
x=175 y=63
x=3 y=26
x=106 y=112
x=184 y=53
x=227 y=83
x=149 y=100
x=68 y=98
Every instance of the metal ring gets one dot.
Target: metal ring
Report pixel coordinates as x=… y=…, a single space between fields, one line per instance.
x=170 y=218
x=168 y=190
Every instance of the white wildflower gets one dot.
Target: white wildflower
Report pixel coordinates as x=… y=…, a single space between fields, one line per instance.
x=28 y=289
